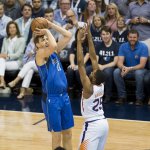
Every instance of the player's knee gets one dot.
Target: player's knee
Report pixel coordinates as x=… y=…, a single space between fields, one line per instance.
x=67 y=134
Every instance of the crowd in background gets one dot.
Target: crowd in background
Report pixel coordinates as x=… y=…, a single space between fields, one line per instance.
x=120 y=30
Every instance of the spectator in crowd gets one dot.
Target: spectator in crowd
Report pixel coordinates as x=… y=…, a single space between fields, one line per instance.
x=138 y=18
x=12 y=51
x=12 y=9
x=89 y=12
x=78 y=6
x=72 y=71
x=25 y=21
x=100 y=7
x=96 y=26
x=72 y=18
x=71 y=25
x=49 y=15
x=38 y=10
x=60 y=14
x=131 y=64
x=27 y=71
x=3 y=23
x=111 y=16
x=147 y=85
x=107 y=53
x=120 y=35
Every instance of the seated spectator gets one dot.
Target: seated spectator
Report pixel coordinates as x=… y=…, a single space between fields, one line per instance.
x=96 y=26
x=12 y=9
x=107 y=53
x=72 y=18
x=71 y=24
x=138 y=18
x=147 y=85
x=89 y=12
x=120 y=35
x=38 y=10
x=72 y=71
x=12 y=51
x=131 y=64
x=111 y=16
x=3 y=23
x=27 y=71
x=25 y=21
x=60 y=14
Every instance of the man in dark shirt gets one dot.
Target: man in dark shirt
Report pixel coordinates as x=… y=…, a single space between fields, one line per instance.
x=107 y=52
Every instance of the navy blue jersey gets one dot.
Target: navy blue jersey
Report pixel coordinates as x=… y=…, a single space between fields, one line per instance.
x=96 y=34
x=120 y=37
x=106 y=54
x=52 y=76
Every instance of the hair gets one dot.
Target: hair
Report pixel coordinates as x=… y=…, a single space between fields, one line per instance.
x=101 y=18
x=16 y=25
x=48 y=10
x=103 y=6
x=100 y=77
x=36 y=38
x=86 y=13
x=60 y=148
x=106 y=29
x=123 y=20
x=33 y=0
x=28 y=5
x=107 y=17
x=133 y=31
x=59 y=3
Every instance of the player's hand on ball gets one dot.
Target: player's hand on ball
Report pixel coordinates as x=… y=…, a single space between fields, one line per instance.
x=38 y=31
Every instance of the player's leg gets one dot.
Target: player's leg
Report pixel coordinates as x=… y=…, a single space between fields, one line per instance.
x=93 y=134
x=67 y=122
x=104 y=133
x=89 y=137
x=56 y=139
x=67 y=139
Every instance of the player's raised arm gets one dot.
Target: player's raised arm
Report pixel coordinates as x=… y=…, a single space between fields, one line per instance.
x=87 y=87
x=92 y=50
x=66 y=35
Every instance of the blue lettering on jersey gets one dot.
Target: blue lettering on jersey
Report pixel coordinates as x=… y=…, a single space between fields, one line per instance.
x=98 y=104
x=55 y=61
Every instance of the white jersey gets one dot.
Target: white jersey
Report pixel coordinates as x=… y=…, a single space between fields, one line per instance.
x=92 y=107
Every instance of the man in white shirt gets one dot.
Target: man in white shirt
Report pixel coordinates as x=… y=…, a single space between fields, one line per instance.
x=24 y=22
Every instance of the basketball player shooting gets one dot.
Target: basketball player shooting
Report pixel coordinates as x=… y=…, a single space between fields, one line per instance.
x=55 y=102
x=95 y=128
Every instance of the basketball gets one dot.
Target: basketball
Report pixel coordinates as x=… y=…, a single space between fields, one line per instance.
x=39 y=22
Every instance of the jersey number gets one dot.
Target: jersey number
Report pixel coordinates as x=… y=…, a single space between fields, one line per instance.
x=98 y=104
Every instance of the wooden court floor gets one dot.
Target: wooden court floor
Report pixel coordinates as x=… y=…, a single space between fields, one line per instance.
x=17 y=132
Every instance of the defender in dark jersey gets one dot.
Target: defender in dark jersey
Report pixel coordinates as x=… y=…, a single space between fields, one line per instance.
x=55 y=103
